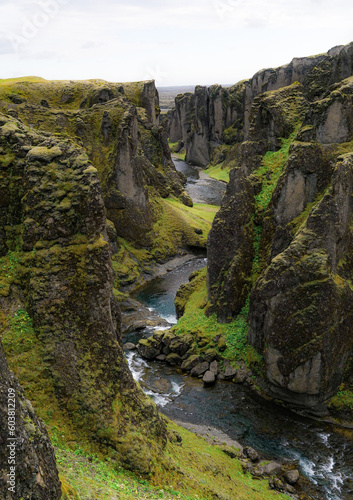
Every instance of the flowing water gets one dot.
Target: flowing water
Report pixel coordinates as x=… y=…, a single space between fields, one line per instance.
x=324 y=455
x=199 y=186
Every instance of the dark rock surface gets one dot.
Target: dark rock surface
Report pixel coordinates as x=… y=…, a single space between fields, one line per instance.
x=283 y=233
x=52 y=220
x=212 y=116
x=231 y=249
x=307 y=347
x=29 y=457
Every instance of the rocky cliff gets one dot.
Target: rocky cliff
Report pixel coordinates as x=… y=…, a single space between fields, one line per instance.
x=63 y=337
x=209 y=117
x=27 y=460
x=283 y=236
x=118 y=126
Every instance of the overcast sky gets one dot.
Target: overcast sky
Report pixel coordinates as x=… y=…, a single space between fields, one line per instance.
x=176 y=42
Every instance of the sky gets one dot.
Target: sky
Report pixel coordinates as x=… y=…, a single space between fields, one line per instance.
x=175 y=42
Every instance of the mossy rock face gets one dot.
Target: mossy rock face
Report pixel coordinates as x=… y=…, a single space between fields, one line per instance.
x=215 y=116
x=44 y=154
x=306 y=174
x=118 y=126
x=203 y=120
x=33 y=462
x=334 y=66
x=333 y=116
x=274 y=236
x=275 y=114
x=231 y=249
x=53 y=221
x=306 y=346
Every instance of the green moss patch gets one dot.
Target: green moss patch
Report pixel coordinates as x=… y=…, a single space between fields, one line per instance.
x=175 y=150
x=179 y=226
x=219 y=172
x=270 y=171
x=197 y=322
x=343 y=398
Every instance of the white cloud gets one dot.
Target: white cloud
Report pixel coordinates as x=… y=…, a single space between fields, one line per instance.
x=189 y=41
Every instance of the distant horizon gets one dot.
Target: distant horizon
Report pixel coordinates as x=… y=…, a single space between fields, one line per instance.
x=186 y=85
x=199 y=41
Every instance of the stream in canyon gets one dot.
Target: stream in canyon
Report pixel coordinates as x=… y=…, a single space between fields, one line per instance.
x=325 y=456
x=199 y=186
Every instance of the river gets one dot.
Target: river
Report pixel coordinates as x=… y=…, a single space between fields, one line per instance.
x=324 y=455
x=199 y=186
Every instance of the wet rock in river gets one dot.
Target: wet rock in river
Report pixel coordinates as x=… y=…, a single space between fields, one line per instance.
x=292 y=476
x=229 y=372
x=173 y=359
x=200 y=369
x=190 y=363
x=149 y=348
x=209 y=377
x=241 y=375
x=129 y=346
x=214 y=367
x=180 y=345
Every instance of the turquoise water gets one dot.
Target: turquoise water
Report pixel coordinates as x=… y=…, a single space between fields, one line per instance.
x=324 y=456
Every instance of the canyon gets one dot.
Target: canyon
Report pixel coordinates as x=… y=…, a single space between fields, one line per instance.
x=92 y=208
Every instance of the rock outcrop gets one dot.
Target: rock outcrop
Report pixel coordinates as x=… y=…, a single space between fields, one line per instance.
x=231 y=249
x=283 y=236
x=210 y=117
x=55 y=244
x=301 y=307
x=27 y=459
x=207 y=118
x=118 y=126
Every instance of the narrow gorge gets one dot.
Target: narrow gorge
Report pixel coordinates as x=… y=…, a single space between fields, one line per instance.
x=101 y=195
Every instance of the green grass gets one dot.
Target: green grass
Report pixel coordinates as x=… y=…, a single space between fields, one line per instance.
x=11 y=81
x=176 y=225
x=219 y=172
x=200 y=215
x=174 y=147
x=199 y=471
x=197 y=322
x=343 y=398
x=194 y=470
x=270 y=171
x=85 y=477
x=174 y=229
